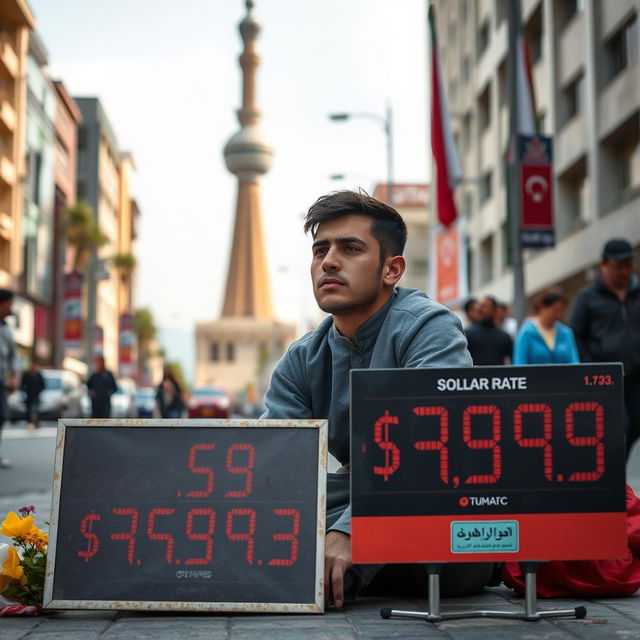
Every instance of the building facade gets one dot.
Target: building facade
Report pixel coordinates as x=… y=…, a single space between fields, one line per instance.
x=412 y=203
x=103 y=182
x=586 y=77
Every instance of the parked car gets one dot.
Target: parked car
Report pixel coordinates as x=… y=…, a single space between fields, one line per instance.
x=209 y=402
x=145 y=402
x=123 y=401
x=60 y=398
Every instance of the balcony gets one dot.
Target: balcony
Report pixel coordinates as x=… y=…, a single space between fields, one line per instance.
x=7 y=171
x=8 y=116
x=8 y=56
x=571 y=144
x=619 y=100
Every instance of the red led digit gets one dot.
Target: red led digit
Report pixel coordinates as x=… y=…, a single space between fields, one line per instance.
x=586 y=441
x=94 y=542
x=208 y=471
x=151 y=520
x=129 y=535
x=391 y=452
x=202 y=535
x=247 y=536
x=484 y=443
x=291 y=537
x=545 y=442
x=246 y=469
x=437 y=445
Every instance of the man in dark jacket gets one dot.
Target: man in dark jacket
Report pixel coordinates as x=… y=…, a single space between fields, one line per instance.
x=102 y=386
x=32 y=385
x=606 y=323
x=488 y=344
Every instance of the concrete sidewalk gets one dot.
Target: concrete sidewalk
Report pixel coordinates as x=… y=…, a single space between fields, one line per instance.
x=606 y=619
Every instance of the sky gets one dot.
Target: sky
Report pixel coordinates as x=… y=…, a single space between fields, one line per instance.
x=168 y=77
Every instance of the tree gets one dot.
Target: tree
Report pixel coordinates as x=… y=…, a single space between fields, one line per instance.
x=82 y=232
x=145 y=328
x=125 y=263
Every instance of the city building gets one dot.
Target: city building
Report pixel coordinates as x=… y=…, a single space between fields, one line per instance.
x=237 y=351
x=103 y=182
x=586 y=77
x=66 y=138
x=16 y=22
x=36 y=279
x=412 y=203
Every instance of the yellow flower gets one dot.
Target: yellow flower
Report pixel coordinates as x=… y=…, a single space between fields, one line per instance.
x=11 y=568
x=16 y=527
x=39 y=539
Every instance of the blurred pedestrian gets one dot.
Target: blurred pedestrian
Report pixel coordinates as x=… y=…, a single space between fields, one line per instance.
x=472 y=311
x=504 y=321
x=32 y=385
x=606 y=322
x=8 y=362
x=545 y=339
x=169 y=396
x=487 y=344
x=101 y=385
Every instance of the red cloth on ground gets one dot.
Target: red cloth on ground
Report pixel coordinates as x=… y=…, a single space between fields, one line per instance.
x=595 y=578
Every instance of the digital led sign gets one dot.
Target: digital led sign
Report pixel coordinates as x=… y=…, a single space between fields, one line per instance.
x=202 y=515
x=539 y=449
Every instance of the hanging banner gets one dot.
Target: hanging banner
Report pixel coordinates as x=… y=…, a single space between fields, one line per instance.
x=127 y=345
x=72 y=313
x=536 y=192
x=98 y=340
x=449 y=269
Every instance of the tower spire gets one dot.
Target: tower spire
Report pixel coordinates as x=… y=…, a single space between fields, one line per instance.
x=247 y=155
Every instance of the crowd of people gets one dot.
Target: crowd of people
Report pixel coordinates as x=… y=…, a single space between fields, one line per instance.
x=604 y=326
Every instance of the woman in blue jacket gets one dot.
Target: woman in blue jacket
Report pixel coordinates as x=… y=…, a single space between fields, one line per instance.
x=544 y=339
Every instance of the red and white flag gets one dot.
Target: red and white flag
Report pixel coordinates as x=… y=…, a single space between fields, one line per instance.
x=449 y=172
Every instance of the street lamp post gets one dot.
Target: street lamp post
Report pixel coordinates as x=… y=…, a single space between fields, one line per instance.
x=386 y=122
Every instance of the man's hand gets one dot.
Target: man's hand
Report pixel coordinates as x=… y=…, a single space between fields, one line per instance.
x=337 y=560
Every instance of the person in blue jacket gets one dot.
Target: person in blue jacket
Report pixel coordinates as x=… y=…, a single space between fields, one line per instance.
x=545 y=339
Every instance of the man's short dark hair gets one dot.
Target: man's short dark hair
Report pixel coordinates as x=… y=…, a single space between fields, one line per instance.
x=493 y=301
x=6 y=294
x=551 y=297
x=387 y=227
x=469 y=303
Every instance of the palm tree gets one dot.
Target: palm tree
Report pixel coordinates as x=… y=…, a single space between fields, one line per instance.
x=125 y=263
x=146 y=330
x=83 y=233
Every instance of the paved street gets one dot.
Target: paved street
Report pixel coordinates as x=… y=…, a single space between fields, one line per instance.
x=28 y=483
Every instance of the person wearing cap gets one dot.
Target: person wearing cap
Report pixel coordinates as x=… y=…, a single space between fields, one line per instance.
x=606 y=323
x=8 y=362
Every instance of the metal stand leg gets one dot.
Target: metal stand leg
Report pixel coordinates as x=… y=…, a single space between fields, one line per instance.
x=530 y=605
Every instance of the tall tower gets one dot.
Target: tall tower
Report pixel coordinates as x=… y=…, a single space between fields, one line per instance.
x=236 y=351
x=247 y=155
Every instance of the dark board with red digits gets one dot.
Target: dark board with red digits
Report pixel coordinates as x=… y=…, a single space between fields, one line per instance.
x=188 y=514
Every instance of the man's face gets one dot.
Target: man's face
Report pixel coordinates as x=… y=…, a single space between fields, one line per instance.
x=5 y=308
x=346 y=270
x=617 y=273
x=473 y=313
x=487 y=309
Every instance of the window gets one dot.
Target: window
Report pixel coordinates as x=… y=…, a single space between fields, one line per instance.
x=465 y=10
x=486 y=187
x=622 y=49
x=486 y=260
x=453 y=91
x=466 y=131
x=568 y=9
x=465 y=69
x=484 y=36
x=572 y=99
x=484 y=109
x=533 y=34
x=230 y=352
x=214 y=352
x=82 y=137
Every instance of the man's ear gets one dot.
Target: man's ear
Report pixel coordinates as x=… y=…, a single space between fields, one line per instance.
x=393 y=269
